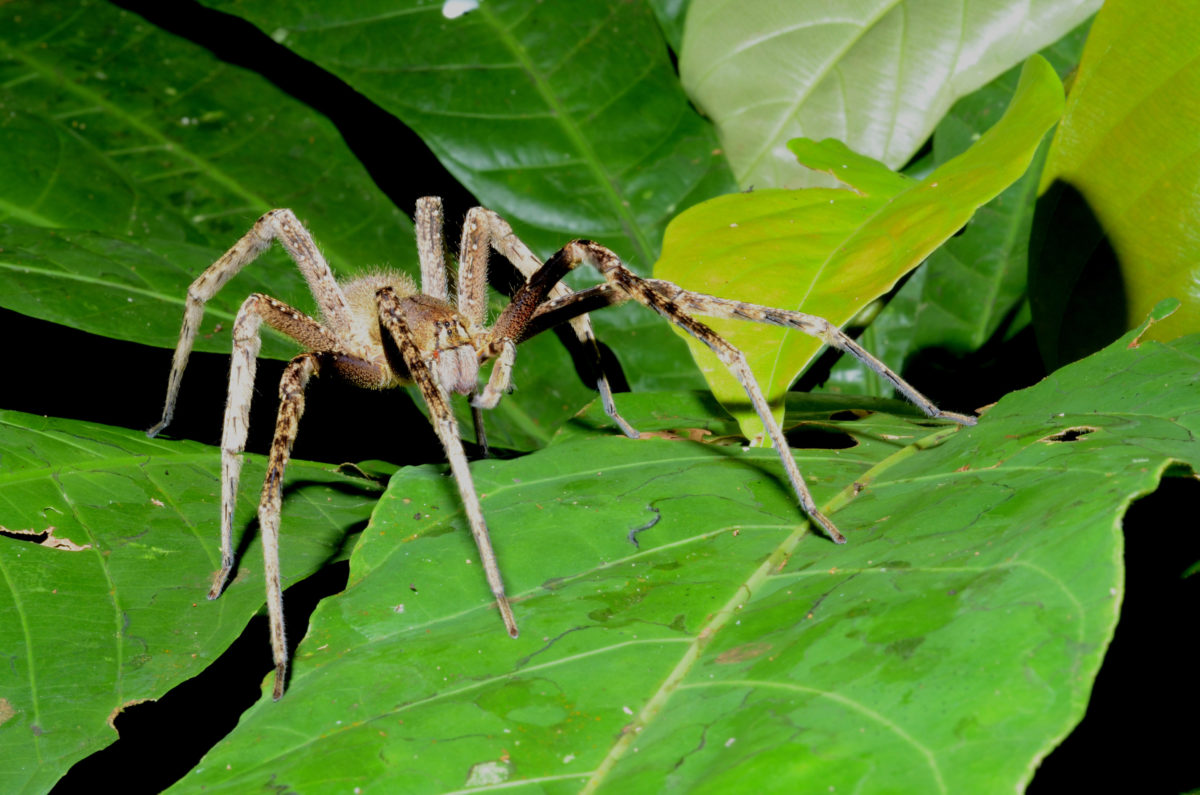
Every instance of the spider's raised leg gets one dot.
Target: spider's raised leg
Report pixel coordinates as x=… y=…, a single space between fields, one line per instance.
x=392 y=316
x=431 y=247
x=608 y=294
x=584 y=251
x=481 y=230
x=281 y=225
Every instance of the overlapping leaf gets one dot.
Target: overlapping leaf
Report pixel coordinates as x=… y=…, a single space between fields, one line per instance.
x=110 y=542
x=876 y=74
x=946 y=648
x=114 y=126
x=1124 y=184
x=972 y=287
x=566 y=118
x=829 y=252
x=123 y=181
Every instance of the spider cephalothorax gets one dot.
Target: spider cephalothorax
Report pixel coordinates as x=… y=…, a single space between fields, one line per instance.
x=379 y=331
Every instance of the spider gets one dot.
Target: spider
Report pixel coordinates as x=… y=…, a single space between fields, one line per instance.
x=379 y=331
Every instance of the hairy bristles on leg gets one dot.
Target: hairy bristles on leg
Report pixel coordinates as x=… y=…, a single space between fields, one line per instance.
x=291 y=408
x=501 y=379
x=488 y=227
x=431 y=249
x=391 y=316
x=281 y=225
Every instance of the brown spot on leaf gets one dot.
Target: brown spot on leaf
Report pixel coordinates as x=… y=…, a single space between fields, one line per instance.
x=112 y=716
x=6 y=711
x=747 y=651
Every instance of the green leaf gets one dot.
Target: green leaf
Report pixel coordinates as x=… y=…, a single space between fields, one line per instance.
x=972 y=287
x=133 y=289
x=830 y=253
x=946 y=648
x=1123 y=182
x=565 y=118
x=93 y=138
x=878 y=74
x=103 y=605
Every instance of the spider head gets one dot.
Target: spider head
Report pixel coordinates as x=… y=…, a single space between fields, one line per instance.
x=457 y=367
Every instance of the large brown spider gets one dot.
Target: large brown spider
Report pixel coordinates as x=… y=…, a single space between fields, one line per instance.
x=379 y=332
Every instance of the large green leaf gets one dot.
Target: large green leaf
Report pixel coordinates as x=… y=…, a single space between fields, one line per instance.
x=876 y=74
x=1125 y=170
x=139 y=177
x=113 y=126
x=972 y=287
x=109 y=546
x=123 y=181
x=831 y=252
x=946 y=648
x=566 y=118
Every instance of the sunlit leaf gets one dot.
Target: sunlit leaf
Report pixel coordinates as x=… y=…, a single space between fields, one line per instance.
x=1123 y=185
x=972 y=287
x=875 y=74
x=830 y=252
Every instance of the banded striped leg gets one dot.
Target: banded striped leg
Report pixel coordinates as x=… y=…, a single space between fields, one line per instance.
x=812 y=325
x=291 y=408
x=444 y=424
x=484 y=228
x=281 y=225
x=584 y=251
x=553 y=312
x=246 y=344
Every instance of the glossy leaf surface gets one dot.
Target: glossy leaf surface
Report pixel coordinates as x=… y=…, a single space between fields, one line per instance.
x=946 y=648
x=830 y=252
x=109 y=544
x=875 y=74
x=92 y=138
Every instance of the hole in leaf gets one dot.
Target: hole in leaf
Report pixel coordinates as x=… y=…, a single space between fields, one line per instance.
x=849 y=415
x=813 y=437
x=45 y=538
x=1069 y=434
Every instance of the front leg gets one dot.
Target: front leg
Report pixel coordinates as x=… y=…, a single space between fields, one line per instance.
x=444 y=424
x=291 y=408
x=483 y=230
x=246 y=344
x=281 y=225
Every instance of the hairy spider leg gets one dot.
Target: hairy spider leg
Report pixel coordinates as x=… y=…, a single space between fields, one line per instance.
x=281 y=225
x=483 y=229
x=580 y=252
x=291 y=407
x=445 y=425
x=600 y=296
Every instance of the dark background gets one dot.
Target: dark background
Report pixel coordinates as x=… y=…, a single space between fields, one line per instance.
x=1147 y=685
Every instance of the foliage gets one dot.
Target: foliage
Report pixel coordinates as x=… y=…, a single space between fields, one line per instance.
x=682 y=628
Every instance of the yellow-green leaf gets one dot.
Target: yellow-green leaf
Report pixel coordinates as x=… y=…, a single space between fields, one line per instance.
x=829 y=252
